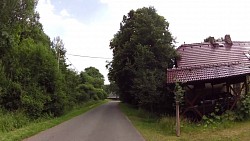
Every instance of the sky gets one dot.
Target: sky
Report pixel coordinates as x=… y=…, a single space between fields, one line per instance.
x=87 y=26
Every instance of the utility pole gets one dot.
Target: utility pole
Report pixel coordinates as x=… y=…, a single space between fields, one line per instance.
x=58 y=46
x=178 y=127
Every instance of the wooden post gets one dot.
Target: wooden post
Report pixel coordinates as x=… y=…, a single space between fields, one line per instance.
x=178 y=130
x=246 y=86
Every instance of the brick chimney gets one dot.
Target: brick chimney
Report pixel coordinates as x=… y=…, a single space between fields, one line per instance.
x=213 y=42
x=228 y=40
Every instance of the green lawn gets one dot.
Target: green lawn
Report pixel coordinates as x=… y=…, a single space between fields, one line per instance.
x=154 y=128
x=38 y=126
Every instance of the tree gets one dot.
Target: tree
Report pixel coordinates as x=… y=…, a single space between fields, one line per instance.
x=15 y=15
x=30 y=81
x=92 y=76
x=60 y=51
x=92 y=84
x=142 y=51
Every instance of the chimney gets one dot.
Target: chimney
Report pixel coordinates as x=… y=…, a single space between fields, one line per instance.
x=213 y=42
x=228 y=40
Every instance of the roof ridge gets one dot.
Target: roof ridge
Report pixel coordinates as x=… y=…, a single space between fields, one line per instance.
x=206 y=65
x=207 y=43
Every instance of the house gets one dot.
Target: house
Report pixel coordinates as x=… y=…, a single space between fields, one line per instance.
x=212 y=74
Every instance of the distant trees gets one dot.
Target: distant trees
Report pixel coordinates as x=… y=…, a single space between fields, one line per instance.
x=92 y=84
x=142 y=51
x=30 y=79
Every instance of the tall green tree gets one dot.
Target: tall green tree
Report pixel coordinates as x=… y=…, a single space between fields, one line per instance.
x=15 y=17
x=92 y=76
x=142 y=51
x=92 y=84
x=32 y=82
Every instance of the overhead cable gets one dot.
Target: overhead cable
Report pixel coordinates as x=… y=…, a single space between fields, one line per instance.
x=85 y=56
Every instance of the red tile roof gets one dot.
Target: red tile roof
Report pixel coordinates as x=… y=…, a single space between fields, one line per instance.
x=202 y=61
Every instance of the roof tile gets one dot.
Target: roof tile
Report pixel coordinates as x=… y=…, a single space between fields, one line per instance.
x=200 y=61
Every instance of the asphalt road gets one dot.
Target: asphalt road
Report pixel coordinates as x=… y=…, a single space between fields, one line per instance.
x=104 y=123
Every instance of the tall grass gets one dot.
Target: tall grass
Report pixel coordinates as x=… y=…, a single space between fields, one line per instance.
x=16 y=126
x=156 y=128
x=10 y=121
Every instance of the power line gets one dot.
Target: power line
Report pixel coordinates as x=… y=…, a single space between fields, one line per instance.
x=72 y=64
x=94 y=57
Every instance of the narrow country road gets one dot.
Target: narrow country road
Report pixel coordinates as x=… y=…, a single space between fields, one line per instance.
x=104 y=123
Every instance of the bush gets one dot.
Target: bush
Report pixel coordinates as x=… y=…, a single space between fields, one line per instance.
x=243 y=108
x=83 y=92
x=95 y=97
x=82 y=97
x=11 y=96
x=33 y=101
x=10 y=121
x=100 y=93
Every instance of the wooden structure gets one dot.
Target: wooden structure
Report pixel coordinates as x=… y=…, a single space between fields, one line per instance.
x=212 y=74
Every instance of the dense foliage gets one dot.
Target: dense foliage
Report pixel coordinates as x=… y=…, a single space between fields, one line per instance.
x=92 y=85
x=142 y=51
x=35 y=78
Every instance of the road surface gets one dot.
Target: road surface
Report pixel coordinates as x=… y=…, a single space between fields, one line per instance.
x=104 y=123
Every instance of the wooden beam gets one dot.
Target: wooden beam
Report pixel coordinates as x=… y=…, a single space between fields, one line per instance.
x=237 y=96
x=189 y=88
x=228 y=102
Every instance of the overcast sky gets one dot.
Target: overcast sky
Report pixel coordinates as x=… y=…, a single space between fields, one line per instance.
x=87 y=26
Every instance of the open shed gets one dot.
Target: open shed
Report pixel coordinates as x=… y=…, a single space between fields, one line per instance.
x=211 y=73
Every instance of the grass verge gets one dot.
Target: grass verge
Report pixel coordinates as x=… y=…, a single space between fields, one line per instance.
x=40 y=125
x=154 y=128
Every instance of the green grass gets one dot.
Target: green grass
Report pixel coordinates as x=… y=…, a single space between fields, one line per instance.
x=11 y=121
x=32 y=128
x=154 y=128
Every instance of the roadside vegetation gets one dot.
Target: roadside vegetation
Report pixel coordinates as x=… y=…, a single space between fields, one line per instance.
x=36 y=82
x=16 y=127
x=155 y=128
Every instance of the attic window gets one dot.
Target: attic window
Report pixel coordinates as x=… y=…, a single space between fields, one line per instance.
x=247 y=55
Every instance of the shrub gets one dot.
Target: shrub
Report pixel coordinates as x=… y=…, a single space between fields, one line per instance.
x=33 y=101
x=243 y=108
x=83 y=92
x=10 y=120
x=100 y=93
x=11 y=96
x=95 y=97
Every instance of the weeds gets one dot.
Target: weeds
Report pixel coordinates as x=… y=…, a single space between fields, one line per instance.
x=17 y=126
x=155 y=128
x=11 y=121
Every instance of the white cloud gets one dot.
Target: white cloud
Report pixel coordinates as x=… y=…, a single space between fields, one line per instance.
x=79 y=39
x=194 y=20
x=64 y=13
x=190 y=21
